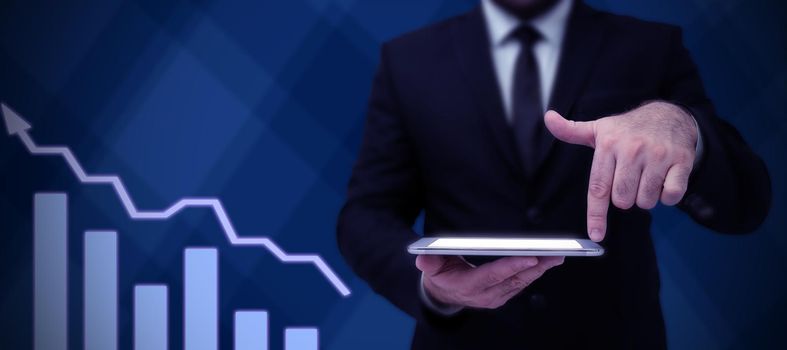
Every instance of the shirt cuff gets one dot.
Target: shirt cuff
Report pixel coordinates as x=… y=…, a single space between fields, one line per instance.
x=439 y=308
x=698 y=149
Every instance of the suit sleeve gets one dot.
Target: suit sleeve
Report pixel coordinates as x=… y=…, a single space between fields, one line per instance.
x=384 y=198
x=729 y=190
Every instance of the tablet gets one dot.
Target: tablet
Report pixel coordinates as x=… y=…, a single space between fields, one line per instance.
x=508 y=246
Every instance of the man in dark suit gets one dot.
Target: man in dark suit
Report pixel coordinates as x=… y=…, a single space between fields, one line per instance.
x=457 y=128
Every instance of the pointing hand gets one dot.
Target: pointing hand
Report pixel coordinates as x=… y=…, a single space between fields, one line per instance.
x=640 y=156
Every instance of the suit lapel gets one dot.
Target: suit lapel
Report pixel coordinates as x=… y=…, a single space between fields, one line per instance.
x=471 y=44
x=581 y=46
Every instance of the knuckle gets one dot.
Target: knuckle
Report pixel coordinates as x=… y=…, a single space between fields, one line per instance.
x=623 y=194
x=515 y=283
x=637 y=141
x=670 y=198
x=668 y=201
x=658 y=153
x=622 y=203
x=606 y=143
x=596 y=215
x=653 y=184
x=647 y=202
x=633 y=149
x=650 y=192
x=598 y=189
x=673 y=194
x=683 y=156
x=489 y=280
x=511 y=268
x=624 y=187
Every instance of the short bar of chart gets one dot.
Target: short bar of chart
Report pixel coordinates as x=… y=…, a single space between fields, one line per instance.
x=101 y=294
x=251 y=330
x=301 y=339
x=201 y=275
x=50 y=265
x=151 y=325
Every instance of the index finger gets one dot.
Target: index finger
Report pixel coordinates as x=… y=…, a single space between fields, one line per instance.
x=599 y=187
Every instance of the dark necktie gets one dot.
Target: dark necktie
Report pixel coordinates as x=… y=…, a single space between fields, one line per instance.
x=526 y=108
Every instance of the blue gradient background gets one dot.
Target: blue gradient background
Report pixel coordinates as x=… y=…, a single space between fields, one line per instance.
x=262 y=104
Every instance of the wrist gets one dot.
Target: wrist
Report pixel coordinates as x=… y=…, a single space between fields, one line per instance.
x=677 y=117
x=435 y=303
x=429 y=290
x=666 y=109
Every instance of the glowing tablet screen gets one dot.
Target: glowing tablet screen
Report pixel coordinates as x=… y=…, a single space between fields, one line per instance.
x=505 y=244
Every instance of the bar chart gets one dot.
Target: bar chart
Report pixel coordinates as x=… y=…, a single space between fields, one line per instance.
x=151 y=318
x=152 y=321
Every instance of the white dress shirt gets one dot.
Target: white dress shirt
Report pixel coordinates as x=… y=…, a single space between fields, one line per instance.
x=505 y=48
x=505 y=51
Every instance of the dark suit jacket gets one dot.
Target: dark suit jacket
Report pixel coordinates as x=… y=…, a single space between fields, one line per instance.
x=436 y=140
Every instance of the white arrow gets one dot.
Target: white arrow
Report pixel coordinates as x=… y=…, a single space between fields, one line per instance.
x=13 y=122
x=16 y=125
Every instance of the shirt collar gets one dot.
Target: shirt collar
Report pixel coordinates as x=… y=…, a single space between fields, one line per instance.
x=551 y=24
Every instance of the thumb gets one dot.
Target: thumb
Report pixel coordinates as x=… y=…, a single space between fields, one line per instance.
x=430 y=264
x=578 y=133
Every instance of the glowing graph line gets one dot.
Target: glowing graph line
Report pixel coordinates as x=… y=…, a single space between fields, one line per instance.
x=18 y=126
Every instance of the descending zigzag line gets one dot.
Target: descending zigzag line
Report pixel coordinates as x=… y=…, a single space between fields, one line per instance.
x=213 y=203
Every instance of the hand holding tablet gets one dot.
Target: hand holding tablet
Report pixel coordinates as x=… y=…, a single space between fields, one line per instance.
x=454 y=282
x=451 y=280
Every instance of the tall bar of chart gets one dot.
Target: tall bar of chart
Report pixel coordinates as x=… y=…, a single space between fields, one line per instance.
x=50 y=280
x=150 y=301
